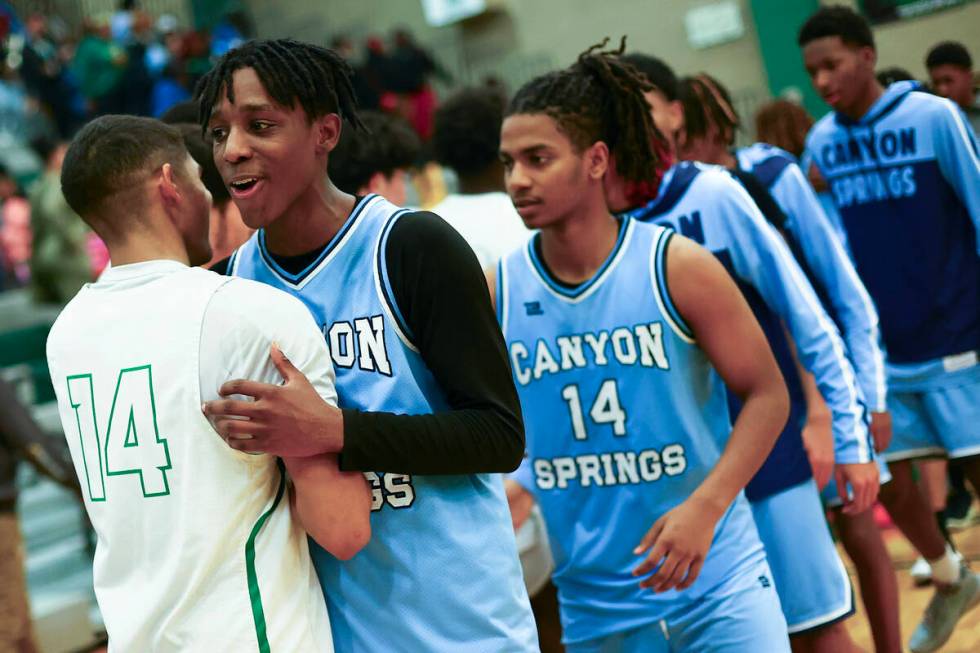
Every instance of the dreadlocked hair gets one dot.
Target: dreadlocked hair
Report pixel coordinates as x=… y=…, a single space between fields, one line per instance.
x=707 y=104
x=291 y=71
x=600 y=98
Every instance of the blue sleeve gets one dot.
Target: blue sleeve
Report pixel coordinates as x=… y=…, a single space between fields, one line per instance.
x=524 y=475
x=956 y=153
x=833 y=269
x=762 y=259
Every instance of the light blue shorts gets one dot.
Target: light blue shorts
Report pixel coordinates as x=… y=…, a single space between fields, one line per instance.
x=829 y=492
x=935 y=408
x=749 y=620
x=813 y=585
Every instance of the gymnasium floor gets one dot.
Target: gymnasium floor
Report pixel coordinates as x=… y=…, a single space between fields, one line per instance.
x=913 y=600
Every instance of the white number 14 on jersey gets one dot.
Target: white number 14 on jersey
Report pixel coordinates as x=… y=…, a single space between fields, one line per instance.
x=132 y=443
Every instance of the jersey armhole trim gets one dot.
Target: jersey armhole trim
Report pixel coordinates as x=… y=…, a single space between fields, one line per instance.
x=383 y=283
x=661 y=291
x=500 y=296
x=254 y=593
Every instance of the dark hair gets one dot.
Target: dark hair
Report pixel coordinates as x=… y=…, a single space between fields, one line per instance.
x=656 y=70
x=949 y=52
x=466 y=135
x=784 y=124
x=706 y=102
x=840 y=21
x=201 y=151
x=181 y=112
x=384 y=145
x=600 y=98
x=44 y=147
x=291 y=71
x=108 y=154
x=888 y=76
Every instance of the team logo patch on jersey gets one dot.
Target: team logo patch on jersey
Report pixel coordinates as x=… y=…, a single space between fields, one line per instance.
x=533 y=308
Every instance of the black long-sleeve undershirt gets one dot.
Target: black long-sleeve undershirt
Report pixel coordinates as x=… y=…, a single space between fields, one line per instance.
x=442 y=296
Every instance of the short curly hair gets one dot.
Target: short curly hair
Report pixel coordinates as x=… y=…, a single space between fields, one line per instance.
x=384 y=144
x=840 y=21
x=466 y=137
x=951 y=53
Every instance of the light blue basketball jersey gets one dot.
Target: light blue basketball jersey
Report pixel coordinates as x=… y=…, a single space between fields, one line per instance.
x=906 y=182
x=707 y=205
x=625 y=417
x=441 y=571
x=821 y=253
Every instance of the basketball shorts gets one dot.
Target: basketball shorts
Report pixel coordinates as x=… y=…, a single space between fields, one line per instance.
x=813 y=586
x=935 y=408
x=746 y=620
x=829 y=494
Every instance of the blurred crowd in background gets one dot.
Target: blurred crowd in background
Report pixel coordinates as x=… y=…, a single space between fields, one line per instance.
x=55 y=77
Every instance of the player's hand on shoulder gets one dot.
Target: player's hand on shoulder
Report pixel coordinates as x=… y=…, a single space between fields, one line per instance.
x=678 y=543
x=291 y=419
x=863 y=481
x=520 y=501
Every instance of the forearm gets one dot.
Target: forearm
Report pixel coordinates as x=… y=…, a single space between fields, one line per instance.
x=468 y=441
x=332 y=506
x=753 y=435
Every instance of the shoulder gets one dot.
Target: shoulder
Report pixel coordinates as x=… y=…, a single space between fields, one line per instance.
x=418 y=235
x=821 y=130
x=253 y=309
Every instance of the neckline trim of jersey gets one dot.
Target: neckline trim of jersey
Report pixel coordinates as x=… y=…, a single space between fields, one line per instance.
x=586 y=288
x=334 y=244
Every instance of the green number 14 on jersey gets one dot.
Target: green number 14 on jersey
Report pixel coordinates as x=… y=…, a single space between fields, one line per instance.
x=132 y=443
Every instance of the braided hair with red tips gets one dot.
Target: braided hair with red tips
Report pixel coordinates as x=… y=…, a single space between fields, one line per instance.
x=600 y=98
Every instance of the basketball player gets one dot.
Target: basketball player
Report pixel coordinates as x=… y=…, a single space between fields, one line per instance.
x=429 y=406
x=466 y=139
x=197 y=548
x=902 y=166
x=707 y=204
x=612 y=330
x=376 y=159
x=708 y=135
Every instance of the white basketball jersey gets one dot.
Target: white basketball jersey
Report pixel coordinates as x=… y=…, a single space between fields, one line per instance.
x=197 y=550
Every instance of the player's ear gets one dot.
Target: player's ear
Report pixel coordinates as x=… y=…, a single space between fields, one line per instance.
x=167 y=186
x=378 y=183
x=597 y=160
x=327 y=132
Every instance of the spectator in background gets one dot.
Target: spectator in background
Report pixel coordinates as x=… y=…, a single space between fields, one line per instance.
x=466 y=139
x=375 y=159
x=98 y=66
x=136 y=86
x=409 y=68
x=21 y=438
x=60 y=263
x=951 y=73
x=44 y=76
x=15 y=228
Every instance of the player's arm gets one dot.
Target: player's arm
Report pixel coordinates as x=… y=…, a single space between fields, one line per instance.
x=725 y=328
x=250 y=323
x=957 y=154
x=444 y=311
x=764 y=261
x=441 y=294
x=818 y=434
x=833 y=270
